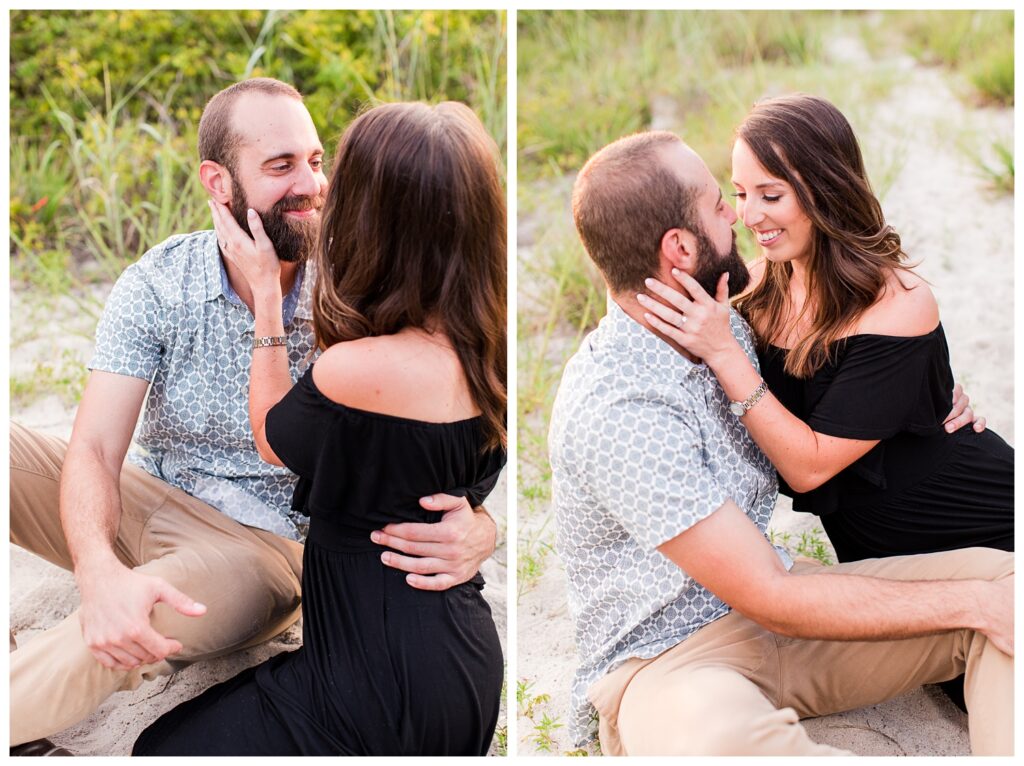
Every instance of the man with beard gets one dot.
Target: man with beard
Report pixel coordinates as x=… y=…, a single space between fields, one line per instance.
x=190 y=549
x=694 y=635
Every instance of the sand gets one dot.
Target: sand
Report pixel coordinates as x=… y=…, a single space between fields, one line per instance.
x=963 y=236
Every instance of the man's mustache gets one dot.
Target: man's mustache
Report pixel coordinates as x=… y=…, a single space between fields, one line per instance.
x=298 y=204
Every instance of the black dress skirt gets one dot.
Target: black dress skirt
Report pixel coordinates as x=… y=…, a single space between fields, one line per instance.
x=384 y=669
x=919 y=490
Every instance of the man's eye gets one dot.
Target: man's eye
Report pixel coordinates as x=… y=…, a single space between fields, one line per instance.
x=281 y=168
x=317 y=164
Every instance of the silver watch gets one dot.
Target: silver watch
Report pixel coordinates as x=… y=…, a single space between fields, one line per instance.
x=739 y=409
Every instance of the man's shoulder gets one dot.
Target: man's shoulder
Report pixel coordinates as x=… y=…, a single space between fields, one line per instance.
x=598 y=391
x=172 y=269
x=177 y=251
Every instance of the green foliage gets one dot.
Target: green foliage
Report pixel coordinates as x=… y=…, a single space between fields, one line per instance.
x=999 y=171
x=65 y=377
x=992 y=74
x=980 y=43
x=105 y=106
x=532 y=553
x=529 y=706
x=338 y=59
x=811 y=544
x=543 y=731
x=595 y=76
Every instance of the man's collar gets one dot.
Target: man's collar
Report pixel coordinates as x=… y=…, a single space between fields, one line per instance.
x=297 y=303
x=620 y=328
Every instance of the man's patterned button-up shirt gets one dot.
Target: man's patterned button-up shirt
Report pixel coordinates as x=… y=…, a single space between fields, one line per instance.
x=173 y=319
x=642 y=447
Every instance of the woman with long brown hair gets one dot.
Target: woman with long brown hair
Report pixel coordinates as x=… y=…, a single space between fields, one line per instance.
x=853 y=355
x=408 y=395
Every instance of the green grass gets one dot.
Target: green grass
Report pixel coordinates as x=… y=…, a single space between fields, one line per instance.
x=977 y=43
x=501 y=732
x=65 y=378
x=999 y=171
x=530 y=706
x=811 y=544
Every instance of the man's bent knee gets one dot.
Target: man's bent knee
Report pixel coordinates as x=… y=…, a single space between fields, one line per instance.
x=705 y=711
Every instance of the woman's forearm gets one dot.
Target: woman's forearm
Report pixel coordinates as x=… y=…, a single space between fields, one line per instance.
x=805 y=459
x=269 y=378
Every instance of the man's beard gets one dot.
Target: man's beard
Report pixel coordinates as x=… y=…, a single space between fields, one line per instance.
x=293 y=238
x=710 y=265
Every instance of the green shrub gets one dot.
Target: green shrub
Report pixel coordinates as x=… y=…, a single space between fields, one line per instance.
x=105 y=106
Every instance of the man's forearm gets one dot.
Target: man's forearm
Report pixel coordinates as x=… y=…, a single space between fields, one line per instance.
x=856 y=608
x=90 y=508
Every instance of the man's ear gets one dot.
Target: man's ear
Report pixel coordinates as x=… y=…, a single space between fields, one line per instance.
x=216 y=180
x=679 y=248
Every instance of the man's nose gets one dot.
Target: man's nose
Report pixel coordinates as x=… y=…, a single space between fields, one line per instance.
x=308 y=183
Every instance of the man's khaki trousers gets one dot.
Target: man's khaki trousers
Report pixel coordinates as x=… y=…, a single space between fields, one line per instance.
x=733 y=688
x=248 y=579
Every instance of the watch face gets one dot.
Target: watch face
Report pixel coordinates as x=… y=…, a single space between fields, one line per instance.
x=736 y=408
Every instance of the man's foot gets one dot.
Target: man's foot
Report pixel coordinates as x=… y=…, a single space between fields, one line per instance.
x=39 y=747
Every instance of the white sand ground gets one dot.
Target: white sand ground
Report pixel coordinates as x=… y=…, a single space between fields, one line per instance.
x=41 y=595
x=963 y=236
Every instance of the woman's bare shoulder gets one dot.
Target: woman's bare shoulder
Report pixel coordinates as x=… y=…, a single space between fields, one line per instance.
x=907 y=308
x=353 y=373
x=404 y=375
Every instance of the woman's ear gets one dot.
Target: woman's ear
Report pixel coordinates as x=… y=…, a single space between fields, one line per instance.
x=679 y=249
x=216 y=180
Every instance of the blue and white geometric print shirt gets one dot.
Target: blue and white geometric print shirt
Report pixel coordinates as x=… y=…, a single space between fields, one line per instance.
x=642 y=447
x=173 y=320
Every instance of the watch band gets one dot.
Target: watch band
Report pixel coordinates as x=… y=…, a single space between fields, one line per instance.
x=739 y=409
x=270 y=340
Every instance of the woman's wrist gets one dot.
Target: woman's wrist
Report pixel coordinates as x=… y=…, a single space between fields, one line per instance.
x=737 y=376
x=729 y=356
x=267 y=300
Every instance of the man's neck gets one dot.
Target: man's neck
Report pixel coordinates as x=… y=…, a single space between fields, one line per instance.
x=289 y=271
x=628 y=303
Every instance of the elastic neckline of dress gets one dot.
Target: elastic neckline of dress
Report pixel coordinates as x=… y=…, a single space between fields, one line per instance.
x=926 y=336
x=385 y=416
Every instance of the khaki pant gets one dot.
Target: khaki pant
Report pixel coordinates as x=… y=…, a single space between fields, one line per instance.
x=249 y=580
x=734 y=688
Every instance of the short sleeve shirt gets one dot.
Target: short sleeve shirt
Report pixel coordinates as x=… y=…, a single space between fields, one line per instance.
x=173 y=320
x=642 y=447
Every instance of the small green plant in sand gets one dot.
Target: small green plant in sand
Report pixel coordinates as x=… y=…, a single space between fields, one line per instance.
x=531 y=563
x=501 y=731
x=810 y=544
x=526 y=701
x=531 y=705
x=544 y=729
x=65 y=377
x=998 y=171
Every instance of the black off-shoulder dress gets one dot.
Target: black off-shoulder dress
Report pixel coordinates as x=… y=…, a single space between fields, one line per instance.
x=919 y=490
x=384 y=669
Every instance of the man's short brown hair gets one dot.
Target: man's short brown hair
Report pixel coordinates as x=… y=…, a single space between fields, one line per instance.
x=623 y=202
x=218 y=141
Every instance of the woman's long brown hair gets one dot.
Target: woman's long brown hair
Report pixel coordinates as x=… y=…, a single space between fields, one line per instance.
x=807 y=142
x=413 y=236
